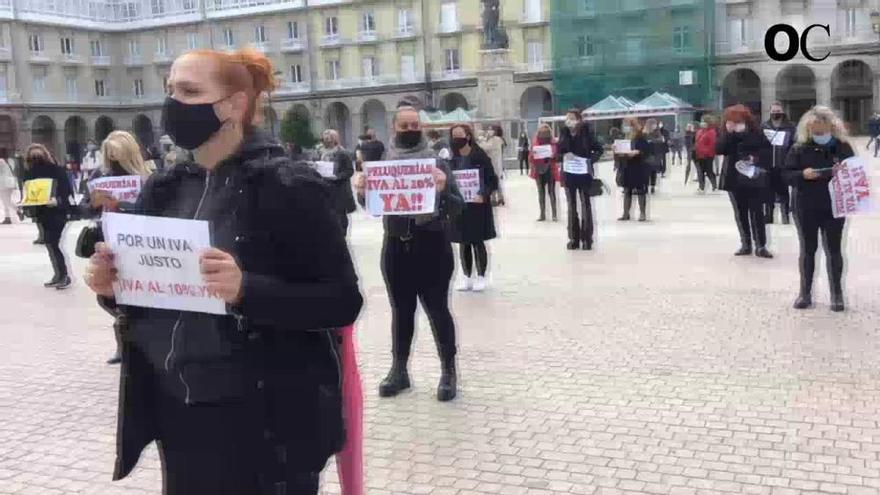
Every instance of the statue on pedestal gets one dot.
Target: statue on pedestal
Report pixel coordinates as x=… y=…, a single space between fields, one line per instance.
x=494 y=36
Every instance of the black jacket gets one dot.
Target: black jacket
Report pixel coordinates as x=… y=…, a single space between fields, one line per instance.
x=874 y=126
x=780 y=152
x=736 y=146
x=477 y=221
x=343 y=169
x=813 y=195
x=372 y=150
x=277 y=350
x=63 y=191
x=584 y=144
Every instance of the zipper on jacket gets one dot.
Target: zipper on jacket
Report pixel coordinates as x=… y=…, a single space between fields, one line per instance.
x=335 y=358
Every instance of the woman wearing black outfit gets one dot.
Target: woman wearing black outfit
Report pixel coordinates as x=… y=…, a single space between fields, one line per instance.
x=340 y=183
x=545 y=171
x=248 y=402
x=656 y=159
x=636 y=172
x=522 y=148
x=52 y=218
x=417 y=263
x=476 y=224
x=690 y=138
x=809 y=167
x=577 y=139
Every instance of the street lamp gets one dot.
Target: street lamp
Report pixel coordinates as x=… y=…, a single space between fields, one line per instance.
x=875 y=21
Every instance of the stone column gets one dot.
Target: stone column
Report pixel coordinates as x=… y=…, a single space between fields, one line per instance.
x=823 y=90
x=876 y=87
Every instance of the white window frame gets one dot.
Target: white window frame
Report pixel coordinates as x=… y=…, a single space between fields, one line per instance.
x=292 y=30
x=35 y=43
x=192 y=40
x=3 y=80
x=851 y=21
x=228 y=37
x=331 y=26
x=405 y=24
x=162 y=45
x=373 y=72
x=411 y=63
x=368 y=21
x=449 y=17
x=67 y=47
x=535 y=54
x=738 y=33
x=157 y=7
x=137 y=86
x=296 y=73
x=452 y=60
x=70 y=86
x=261 y=34
x=40 y=82
x=334 y=70
x=681 y=32
x=134 y=48
x=101 y=88
x=96 y=48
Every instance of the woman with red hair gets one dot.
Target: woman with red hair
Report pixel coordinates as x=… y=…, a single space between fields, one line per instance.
x=249 y=402
x=744 y=175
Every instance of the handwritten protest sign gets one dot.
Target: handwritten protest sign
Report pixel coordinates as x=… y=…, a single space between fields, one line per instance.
x=468 y=182
x=850 y=189
x=38 y=192
x=123 y=188
x=622 y=146
x=576 y=165
x=542 y=152
x=158 y=262
x=776 y=138
x=400 y=187
x=326 y=169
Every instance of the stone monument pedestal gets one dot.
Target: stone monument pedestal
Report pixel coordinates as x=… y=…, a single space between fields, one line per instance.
x=496 y=101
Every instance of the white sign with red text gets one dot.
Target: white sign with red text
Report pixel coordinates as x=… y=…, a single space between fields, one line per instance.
x=850 y=189
x=468 y=182
x=124 y=188
x=400 y=187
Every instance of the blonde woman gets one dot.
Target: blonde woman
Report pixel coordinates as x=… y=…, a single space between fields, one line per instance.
x=822 y=143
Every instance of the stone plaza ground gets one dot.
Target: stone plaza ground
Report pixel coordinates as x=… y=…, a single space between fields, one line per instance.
x=657 y=363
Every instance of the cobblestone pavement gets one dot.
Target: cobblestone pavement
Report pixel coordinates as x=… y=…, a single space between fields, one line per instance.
x=657 y=363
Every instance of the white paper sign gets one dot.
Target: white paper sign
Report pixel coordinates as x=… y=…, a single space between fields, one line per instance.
x=622 y=146
x=850 y=189
x=326 y=169
x=400 y=187
x=542 y=152
x=776 y=138
x=158 y=262
x=746 y=168
x=468 y=182
x=576 y=165
x=122 y=188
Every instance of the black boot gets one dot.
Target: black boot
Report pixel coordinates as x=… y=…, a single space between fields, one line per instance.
x=115 y=359
x=52 y=283
x=587 y=245
x=769 y=213
x=745 y=250
x=627 y=206
x=786 y=214
x=837 y=304
x=762 y=252
x=397 y=380
x=448 y=387
x=572 y=245
x=805 y=298
x=643 y=208
x=63 y=283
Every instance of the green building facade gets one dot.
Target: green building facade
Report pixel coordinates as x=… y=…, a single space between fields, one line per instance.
x=632 y=48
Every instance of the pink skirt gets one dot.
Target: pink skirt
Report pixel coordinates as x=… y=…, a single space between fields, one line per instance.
x=350 y=461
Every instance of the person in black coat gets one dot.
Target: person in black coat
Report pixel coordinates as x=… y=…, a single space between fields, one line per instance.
x=658 y=144
x=340 y=183
x=690 y=140
x=577 y=144
x=809 y=167
x=744 y=143
x=522 y=149
x=476 y=224
x=782 y=131
x=52 y=218
x=635 y=170
x=248 y=402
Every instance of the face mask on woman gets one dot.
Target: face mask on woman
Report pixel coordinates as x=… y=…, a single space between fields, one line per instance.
x=822 y=139
x=544 y=138
x=704 y=125
x=459 y=143
x=571 y=123
x=190 y=125
x=408 y=139
x=741 y=127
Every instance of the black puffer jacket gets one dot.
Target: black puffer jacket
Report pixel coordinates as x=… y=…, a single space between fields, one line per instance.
x=813 y=195
x=277 y=350
x=736 y=146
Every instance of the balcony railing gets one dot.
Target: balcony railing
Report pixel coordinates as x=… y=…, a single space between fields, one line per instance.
x=110 y=14
x=262 y=46
x=101 y=60
x=134 y=60
x=40 y=56
x=292 y=45
x=230 y=8
x=331 y=40
x=294 y=87
x=163 y=58
x=367 y=81
x=449 y=28
x=71 y=59
x=405 y=32
x=5 y=53
x=534 y=66
x=530 y=18
x=367 y=36
x=451 y=74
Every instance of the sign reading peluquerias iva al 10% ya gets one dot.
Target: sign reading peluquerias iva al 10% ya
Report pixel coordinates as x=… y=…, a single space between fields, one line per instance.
x=157 y=260
x=400 y=187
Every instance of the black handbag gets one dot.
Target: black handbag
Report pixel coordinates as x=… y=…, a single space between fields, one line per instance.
x=597 y=187
x=88 y=238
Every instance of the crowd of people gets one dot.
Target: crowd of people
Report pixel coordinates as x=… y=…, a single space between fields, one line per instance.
x=258 y=399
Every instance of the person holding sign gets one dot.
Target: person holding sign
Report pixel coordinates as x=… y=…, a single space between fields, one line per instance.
x=822 y=143
x=8 y=185
x=476 y=180
x=578 y=150
x=744 y=143
x=636 y=173
x=780 y=132
x=544 y=170
x=340 y=179
x=51 y=216
x=417 y=262
x=246 y=398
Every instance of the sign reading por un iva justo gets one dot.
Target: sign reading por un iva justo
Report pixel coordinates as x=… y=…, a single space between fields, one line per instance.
x=797 y=42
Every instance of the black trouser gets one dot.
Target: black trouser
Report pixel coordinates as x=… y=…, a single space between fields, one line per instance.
x=676 y=152
x=748 y=208
x=546 y=184
x=52 y=227
x=628 y=194
x=809 y=223
x=783 y=195
x=343 y=221
x=580 y=229
x=663 y=162
x=467 y=252
x=523 y=164
x=419 y=269
x=704 y=169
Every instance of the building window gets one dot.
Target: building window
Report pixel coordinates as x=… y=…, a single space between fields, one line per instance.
x=333 y=72
x=39 y=74
x=585 y=46
x=134 y=48
x=261 y=36
x=138 y=87
x=165 y=84
x=2 y=36
x=532 y=11
x=2 y=81
x=449 y=17
x=451 y=60
x=408 y=67
x=189 y=5
x=535 y=55
x=331 y=26
x=851 y=16
x=292 y=30
x=589 y=6
x=368 y=23
x=161 y=45
x=370 y=67
x=681 y=39
x=100 y=88
x=405 y=21
x=67 y=46
x=70 y=85
x=296 y=73
x=35 y=42
x=738 y=37
x=96 y=48
x=228 y=38
x=192 y=40
x=157 y=7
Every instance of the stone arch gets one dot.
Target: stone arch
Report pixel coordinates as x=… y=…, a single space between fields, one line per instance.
x=375 y=116
x=143 y=130
x=103 y=126
x=452 y=101
x=301 y=110
x=338 y=117
x=742 y=86
x=7 y=134
x=796 y=90
x=75 y=135
x=852 y=93
x=534 y=103
x=43 y=132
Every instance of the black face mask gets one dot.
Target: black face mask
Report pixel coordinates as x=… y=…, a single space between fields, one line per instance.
x=777 y=116
x=116 y=169
x=408 y=139
x=189 y=126
x=459 y=143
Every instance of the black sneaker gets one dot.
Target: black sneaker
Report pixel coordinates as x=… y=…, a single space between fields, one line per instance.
x=762 y=252
x=39 y=242
x=744 y=251
x=63 y=283
x=804 y=301
x=8 y=221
